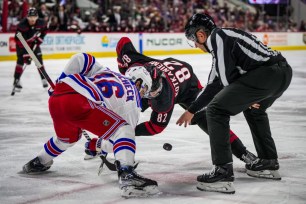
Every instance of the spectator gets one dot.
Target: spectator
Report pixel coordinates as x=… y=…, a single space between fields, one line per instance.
x=302 y=27
x=54 y=25
x=111 y=20
x=93 y=26
x=62 y=19
x=142 y=15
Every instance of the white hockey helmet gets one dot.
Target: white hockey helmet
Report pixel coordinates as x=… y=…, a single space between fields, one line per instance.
x=140 y=73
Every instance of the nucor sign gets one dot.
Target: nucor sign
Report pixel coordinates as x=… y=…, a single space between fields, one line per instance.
x=164 y=41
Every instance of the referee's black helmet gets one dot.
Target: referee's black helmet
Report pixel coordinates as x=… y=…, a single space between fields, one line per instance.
x=196 y=22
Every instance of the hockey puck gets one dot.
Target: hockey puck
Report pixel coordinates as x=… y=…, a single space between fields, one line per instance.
x=167 y=147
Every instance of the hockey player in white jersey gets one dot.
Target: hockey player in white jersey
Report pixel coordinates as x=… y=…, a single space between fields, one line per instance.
x=88 y=96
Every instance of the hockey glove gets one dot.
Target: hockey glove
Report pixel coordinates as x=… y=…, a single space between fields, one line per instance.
x=39 y=41
x=27 y=59
x=93 y=147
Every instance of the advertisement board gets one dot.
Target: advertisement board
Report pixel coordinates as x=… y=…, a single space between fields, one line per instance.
x=157 y=41
x=63 y=45
x=66 y=43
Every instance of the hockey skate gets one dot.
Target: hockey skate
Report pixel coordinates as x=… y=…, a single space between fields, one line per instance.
x=44 y=83
x=220 y=179
x=17 y=85
x=34 y=166
x=264 y=168
x=248 y=157
x=133 y=184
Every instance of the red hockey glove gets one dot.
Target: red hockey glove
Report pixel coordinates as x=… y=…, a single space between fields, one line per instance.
x=39 y=41
x=93 y=147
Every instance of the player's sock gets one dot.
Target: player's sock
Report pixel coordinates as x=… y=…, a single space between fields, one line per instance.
x=124 y=151
x=52 y=149
x=124 y=145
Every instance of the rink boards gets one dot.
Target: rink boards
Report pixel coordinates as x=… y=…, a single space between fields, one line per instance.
x=63 y=45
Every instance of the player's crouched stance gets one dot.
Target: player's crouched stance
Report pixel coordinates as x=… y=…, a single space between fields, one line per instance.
x=84 y=99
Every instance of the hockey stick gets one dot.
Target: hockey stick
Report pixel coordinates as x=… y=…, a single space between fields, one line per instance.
x=34 y=58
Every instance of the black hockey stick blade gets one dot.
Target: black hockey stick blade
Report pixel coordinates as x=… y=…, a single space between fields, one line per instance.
x=100 y=168
x=108 y=164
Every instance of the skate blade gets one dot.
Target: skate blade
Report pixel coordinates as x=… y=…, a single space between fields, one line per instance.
x=222 y=187
x=17 y=90
x=132 y=191
x=267 y=174
x=33 y=172
x=100 y=170
x=89 y=157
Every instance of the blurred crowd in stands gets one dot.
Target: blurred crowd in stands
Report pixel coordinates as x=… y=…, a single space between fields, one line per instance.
x=142 y=15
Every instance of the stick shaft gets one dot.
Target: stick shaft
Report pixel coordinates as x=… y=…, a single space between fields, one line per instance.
x=34 y=58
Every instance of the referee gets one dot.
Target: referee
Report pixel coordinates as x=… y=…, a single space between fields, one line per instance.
x=245 y=73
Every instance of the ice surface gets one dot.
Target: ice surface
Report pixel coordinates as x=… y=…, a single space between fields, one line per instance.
x=25 y=125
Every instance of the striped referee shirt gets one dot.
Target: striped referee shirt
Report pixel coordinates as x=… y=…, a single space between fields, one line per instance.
x=234 y=52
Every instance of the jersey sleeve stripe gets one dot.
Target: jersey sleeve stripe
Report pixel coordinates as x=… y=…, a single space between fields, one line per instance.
x=93 y=62
x=149 y=128
x=85 y=63
x=250 y=41
x=221 y=62
x=85 y=84
x=88 y=64
x=254 y=56
x=81 y=82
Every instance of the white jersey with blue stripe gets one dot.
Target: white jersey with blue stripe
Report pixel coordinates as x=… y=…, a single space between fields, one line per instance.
x=104 y=87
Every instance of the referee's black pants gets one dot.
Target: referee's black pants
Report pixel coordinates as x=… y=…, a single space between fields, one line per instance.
x=262 y=85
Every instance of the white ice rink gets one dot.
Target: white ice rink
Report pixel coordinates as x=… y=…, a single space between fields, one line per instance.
x=25 y=125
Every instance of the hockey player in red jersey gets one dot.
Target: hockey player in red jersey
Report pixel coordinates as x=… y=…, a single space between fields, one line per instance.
x=84 y=98
x=33 y=30
x=174 y=82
